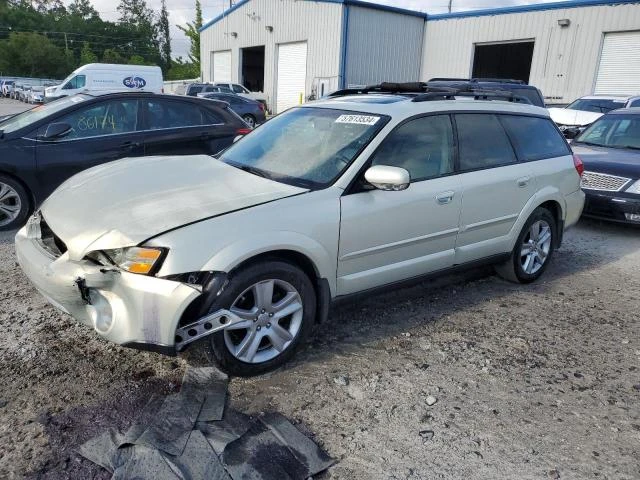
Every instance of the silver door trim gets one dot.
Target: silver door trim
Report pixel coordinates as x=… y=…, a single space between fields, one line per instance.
x=484 y=223
x=387 y=246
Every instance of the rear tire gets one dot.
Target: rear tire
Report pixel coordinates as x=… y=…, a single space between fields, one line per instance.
x=15 y=204
x=533 y=250
x=279 y=302
x=249 y=120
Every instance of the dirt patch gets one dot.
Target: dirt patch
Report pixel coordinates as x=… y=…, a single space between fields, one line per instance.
x=538 y=381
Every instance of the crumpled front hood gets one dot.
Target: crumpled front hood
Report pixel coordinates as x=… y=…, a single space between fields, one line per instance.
x=564 y=116
x=125 y=202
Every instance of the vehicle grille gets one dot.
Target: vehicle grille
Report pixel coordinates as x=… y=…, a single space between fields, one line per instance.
x=604 y=182
x=50 y=241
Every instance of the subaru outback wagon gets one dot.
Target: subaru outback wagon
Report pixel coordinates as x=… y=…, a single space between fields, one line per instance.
x=247 y=249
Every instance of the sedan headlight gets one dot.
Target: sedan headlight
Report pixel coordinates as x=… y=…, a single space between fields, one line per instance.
x=635 y=188
x=140 y=260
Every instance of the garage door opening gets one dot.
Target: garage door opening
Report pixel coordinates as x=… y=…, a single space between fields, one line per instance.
x=253 y=68
x=503 y=60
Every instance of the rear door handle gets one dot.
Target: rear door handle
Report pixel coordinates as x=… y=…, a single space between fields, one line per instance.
x=523 y=181
x=129 y=145
x=445 y=197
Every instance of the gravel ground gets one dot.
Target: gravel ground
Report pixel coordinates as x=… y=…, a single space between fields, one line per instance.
x=9 y=107
x=537 y=381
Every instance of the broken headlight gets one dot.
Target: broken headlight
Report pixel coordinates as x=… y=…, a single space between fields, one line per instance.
x=142 y=260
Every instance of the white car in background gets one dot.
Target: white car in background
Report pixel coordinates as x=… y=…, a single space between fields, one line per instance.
x=578 y=115
x=36 y=94
x=243 y=91
x=247 y=249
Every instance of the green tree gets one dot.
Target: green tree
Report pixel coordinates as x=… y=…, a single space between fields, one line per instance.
x=191 y=30
x=136 y=60
x=32 y=55
x=87 y=55
x=140 y=20
x=111 y=55
x=181 y=70
x=83 y=9
x=164 y=37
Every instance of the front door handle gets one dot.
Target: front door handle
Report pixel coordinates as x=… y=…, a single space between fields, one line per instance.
x=523 y=181
x=445 y=197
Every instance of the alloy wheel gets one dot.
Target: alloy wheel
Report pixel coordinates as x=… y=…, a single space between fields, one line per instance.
x=10 y=204
x=272 y=311
x=249 y=121
x=535 y=247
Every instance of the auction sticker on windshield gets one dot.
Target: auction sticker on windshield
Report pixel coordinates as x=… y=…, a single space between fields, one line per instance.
x=358 y=119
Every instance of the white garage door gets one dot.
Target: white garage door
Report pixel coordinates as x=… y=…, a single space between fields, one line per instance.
x=619 y=70
x=221 y=64
x=292 y=74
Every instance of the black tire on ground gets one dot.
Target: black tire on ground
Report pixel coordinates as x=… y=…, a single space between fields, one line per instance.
x=239 y=282
x=250 y=120
x=513 y=270
x=25 y=204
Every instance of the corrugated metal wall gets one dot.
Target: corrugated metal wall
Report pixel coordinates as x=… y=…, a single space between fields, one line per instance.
x=319 y=23
x=565 y=60
x=382 y=46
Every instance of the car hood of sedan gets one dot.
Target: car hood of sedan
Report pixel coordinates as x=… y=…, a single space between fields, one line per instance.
x=614 y=161
x=565 y=116
x=123 y=203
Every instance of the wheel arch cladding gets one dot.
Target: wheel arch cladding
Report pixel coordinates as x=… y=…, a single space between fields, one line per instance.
x=556 y=211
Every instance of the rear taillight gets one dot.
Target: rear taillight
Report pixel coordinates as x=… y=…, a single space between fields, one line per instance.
x=577 y=162
x=243 y=131
x=261 y=106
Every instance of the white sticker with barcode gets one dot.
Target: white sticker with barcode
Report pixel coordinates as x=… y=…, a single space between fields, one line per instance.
x=358 y=119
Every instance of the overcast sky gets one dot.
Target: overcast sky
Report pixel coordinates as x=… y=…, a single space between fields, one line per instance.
x=183 y=11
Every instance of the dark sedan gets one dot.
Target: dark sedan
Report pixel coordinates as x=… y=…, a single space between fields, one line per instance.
x=251 y=111
x=610 y=150
x=42 y=147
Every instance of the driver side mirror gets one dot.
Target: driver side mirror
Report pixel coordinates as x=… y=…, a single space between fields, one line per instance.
x=384 y=177
x=56 y=130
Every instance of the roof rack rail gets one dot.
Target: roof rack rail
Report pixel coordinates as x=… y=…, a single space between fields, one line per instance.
x=499 y=80
x=476 y=94
x=423 y=92
x=447 y=79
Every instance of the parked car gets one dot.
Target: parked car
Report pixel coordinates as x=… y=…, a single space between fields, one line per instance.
x=195 y=89
x=610 y=149
x=577 y=116
x=23 y=95
x=243 y=91
x=248 y=249
x=517 y=87
x=251 y=111
x=15 y=91
x=94 y=78
x=6 y=87
x=36 y=94
x=41 y=148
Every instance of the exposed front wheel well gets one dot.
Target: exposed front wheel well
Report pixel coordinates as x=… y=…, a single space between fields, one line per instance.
x=556 y=210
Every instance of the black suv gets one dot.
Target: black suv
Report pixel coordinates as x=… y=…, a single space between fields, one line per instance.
x=517 y=87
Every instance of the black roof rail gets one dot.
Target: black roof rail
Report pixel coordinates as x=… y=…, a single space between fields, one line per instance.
x=499 y=80
x=446 y=79
x=384 y=87
x=476 y=94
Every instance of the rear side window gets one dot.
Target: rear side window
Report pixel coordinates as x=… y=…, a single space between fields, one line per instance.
x=536 y=138
x=482 y=142
x=170 y=114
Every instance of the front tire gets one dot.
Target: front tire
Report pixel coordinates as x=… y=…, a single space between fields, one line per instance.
x=278 y=302
x=14 y=203
x=533 y=250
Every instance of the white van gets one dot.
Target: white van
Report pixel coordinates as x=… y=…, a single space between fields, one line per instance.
x=105 y=77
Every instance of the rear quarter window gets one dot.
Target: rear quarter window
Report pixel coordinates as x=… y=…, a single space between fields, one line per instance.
x=535 y=138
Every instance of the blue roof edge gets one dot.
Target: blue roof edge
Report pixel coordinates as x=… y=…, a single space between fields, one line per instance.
x=529 y=8
x=444 y=16
x=355 y=3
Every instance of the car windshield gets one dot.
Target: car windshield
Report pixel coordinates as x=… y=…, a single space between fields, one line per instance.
x=596 y=105
x=308 y=147
x=24 y=119
x=616 y=131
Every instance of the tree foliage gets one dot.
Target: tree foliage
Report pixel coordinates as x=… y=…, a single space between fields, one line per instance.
x=44 y=38
x=191 y=30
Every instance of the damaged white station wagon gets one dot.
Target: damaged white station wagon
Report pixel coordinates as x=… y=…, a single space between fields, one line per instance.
x=248 y=249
